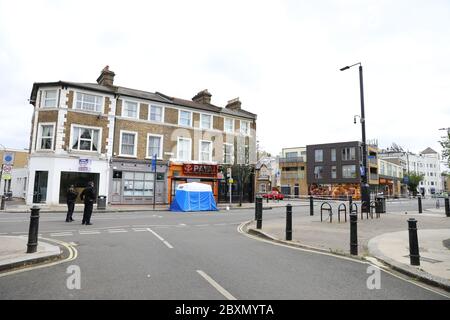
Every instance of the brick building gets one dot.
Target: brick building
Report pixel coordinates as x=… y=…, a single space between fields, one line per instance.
x=109 y=134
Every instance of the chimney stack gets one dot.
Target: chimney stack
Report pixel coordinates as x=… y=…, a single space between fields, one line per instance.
x=106 y=77
x=234 y=104
x=203 y=97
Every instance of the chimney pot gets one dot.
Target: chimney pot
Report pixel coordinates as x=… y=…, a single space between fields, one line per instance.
x=234 y=104
x=203 y=97
x=106 y=77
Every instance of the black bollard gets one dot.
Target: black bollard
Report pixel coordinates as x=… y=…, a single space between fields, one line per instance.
x=2 y=205
x=419 y=200
x=413 y=242
x=447 y=207
x=311 y=205
x=350 y=201
x=258 y=207
x=288 y=222
x=33 y=231
x=354 y=234
x=258 y=213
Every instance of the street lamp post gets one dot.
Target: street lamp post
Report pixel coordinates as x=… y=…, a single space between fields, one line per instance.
x=365 y=194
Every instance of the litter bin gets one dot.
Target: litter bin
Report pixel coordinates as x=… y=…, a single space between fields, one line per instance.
x=380 y=205
x=101 y=202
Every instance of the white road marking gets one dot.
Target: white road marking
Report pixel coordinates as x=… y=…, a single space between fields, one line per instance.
x=217 y=286
x=139 y=229
x=168 y=244
x=61 y=234
x=90 y=232
x=160 y=238
x=117 y=231
x=202 y=225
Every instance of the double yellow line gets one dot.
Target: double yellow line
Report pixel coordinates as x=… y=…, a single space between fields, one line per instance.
x=73 y=254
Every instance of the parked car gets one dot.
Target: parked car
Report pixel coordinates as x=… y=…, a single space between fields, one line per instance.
x=273 y=195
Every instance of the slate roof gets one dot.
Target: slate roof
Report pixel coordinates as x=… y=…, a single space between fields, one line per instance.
x=428 y=151
x=156 y=96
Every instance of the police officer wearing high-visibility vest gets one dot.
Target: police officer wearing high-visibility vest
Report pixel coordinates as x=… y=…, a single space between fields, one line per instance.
x=88 y=196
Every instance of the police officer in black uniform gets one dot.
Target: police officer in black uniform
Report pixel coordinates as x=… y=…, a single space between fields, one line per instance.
x=71 y=198
x=88 y=196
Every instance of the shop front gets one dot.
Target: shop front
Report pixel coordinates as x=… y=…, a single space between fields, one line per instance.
x=50 y=177
x=340 y=191
x=180 y=173
x=390 y=187
x=133 y=182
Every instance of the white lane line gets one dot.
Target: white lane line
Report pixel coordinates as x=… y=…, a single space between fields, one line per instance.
x=160 y=238
x=89 y=232
x=201 y=225
x=217 y=286
x=139 y=229
x=168 y=244
x=61 y=234
x=117 y=231
x=220 y=224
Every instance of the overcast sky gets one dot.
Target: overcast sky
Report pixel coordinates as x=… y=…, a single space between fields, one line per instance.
x=281 y=58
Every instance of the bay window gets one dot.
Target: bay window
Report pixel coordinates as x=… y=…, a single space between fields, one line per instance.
x=85 y=139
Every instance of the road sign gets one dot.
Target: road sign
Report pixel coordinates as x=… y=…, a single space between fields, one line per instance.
x=8 y=158
x=154 y=163
x=230 y=180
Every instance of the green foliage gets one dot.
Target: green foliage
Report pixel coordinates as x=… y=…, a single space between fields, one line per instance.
x=413 y=181
x=446 y=148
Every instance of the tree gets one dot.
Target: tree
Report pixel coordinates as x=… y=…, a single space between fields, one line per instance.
x=446 y=148
x=414 y=181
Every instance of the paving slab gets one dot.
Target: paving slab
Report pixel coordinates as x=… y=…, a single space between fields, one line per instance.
x=13 y=252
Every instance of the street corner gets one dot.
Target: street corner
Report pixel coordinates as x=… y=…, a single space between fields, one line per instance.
x=14 y=256
x=432 y=265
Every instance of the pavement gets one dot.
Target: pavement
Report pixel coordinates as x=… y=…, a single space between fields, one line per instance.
x=13 y=252
x=385 y=239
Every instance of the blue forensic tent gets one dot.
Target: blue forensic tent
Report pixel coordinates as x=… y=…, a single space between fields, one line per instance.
x=193 y=196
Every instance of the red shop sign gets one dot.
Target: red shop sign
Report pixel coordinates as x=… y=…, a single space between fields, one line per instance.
x=200 y=169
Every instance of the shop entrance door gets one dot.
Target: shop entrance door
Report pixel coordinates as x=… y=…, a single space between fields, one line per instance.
x=79 y=180
x=40 y=187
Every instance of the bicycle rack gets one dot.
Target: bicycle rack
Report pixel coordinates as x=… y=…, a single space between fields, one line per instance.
x=340 y=209
x=329 y=209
